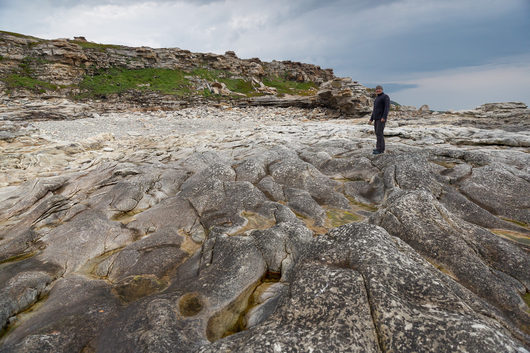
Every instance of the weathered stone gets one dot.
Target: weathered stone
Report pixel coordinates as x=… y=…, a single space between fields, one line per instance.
x=155 y=254
x=73 y=315
x=302 y=202
x=295 y=173
x=188 y=219
x=266 y=304
x=408 y=171
x=251 y=170
x=350 y=98
x=173 y=212
x=205 y=190
x=86 y=236
x=469 y=211
x=271 y=189
x=499 y=191
x=326 y=308
x=22 y=284
x=204 y=301
x=67 y=62
x=31 y=193
x=407 y=295
x=350 y=168
x=281 y=245
x=475 y=257
x=371 y=192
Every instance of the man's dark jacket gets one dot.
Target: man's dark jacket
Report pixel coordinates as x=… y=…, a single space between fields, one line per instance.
x=381 y=107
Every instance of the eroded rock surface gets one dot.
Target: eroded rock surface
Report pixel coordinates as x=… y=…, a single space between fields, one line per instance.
x=261 y=229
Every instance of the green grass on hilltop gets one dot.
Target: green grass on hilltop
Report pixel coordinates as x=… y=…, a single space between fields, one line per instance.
x=119 y=80
x=210 y=74
x=116 y=80
x=291 y=87
x=24 y=77
x=167 y=81
x=91 y=45
x=18 y=35
x=238 y=85
x=14 y=81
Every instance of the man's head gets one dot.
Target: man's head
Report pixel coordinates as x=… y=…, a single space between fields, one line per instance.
x=378 y=89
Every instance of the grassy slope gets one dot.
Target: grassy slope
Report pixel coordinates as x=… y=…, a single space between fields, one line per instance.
x=117 y=80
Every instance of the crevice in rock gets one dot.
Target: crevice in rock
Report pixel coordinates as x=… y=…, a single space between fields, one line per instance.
x=57 y=206
x=520 y=239
x=371 y=307
x=16 y=318
x=205 y=262
x=230 y=319
x=18 y=257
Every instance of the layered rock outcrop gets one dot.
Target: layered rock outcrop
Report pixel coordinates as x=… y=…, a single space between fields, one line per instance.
x=347 y=96
x=64 y=61
x=56 y=69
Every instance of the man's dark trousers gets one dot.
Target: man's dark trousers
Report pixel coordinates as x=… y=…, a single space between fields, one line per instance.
x=379 y=127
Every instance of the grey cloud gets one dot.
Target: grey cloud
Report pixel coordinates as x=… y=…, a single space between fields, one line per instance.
x=392 y=87
x=72 y=3
x=384 y=40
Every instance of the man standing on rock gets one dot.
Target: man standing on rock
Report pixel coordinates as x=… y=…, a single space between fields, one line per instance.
x=379 y=117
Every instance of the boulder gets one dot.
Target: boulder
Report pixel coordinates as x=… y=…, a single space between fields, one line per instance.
x=476 y=258
x=499 y=191
x=349 y=98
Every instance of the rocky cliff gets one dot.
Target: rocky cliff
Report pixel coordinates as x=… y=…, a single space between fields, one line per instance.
x=164 y=78
x=234 y=226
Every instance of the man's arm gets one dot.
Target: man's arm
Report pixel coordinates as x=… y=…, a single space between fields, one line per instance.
x=372 y=116
x=387 y=109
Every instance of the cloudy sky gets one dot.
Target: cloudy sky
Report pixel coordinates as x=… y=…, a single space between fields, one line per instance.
x=449 y=54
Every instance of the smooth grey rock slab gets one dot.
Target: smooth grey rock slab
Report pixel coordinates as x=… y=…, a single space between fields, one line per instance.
x=22 y=283
x=281 y=245
x=469 y=211
x=371 y=192
x=353 y=168
x=31 y=192
x=302 y=202
x=271 y=188
x=86 y=236
x=155 y=255
x=70 y=318
x=173 y=212
x=408 y=171
x=251 y=170
x=358 y=289
x=267 y=303
x=295 y=173
x=499 y=191
x=205 y=190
